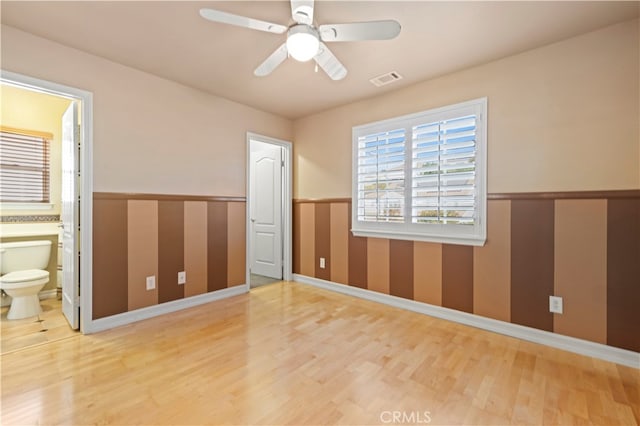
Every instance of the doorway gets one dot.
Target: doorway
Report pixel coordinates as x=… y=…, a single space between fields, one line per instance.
x=268 y=210
x=75 y=202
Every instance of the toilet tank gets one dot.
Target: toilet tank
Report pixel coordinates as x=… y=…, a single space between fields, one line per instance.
x=22 y=255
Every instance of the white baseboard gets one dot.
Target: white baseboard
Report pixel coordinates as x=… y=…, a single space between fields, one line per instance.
x=164 y=308
x=48 y=294
x=571 y=344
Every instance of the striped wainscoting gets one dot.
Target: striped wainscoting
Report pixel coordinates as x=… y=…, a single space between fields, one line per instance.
x=584 y=247
x=140 y=235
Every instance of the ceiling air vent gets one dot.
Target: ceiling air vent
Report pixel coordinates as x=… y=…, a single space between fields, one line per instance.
x=385 y=79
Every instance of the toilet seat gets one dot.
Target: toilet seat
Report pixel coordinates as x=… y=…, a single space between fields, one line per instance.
x=27 y=276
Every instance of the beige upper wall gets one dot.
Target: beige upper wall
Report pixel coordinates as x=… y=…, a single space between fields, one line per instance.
x=151 y=135
x=561 y=118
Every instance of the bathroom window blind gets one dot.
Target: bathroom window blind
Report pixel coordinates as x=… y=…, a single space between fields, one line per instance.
x=24 y=168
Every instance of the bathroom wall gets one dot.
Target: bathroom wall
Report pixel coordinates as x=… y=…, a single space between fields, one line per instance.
x=28 y=110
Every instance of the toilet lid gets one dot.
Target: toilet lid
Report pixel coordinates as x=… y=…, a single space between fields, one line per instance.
x=21 y=276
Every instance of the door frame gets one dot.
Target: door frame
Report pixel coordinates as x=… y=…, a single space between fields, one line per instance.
x=86 y=179
x=286 y=205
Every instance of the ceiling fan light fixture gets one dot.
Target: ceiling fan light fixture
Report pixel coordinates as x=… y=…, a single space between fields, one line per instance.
x=302 y=42
x=306 y=41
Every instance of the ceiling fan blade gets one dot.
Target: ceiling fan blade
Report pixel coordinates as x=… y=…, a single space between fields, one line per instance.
x=330 y=64
x=241 y=21
x=272 y=62
x=302 y=11
x=356 y=31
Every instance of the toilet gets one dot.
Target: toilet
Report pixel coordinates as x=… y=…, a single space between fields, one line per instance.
x=22 y=265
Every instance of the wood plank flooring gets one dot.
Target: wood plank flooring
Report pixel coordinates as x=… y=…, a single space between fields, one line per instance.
x=47 y=327
x=293 y=354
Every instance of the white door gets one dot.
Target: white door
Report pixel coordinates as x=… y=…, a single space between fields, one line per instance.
x=266 y=209
x=69 y=215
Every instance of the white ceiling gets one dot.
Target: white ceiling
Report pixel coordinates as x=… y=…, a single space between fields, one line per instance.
x=171 y=40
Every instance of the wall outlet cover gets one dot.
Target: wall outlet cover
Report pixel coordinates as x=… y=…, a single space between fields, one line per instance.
x=555 y=304
x=151 y=282
x=322 y=263
x=182 y=277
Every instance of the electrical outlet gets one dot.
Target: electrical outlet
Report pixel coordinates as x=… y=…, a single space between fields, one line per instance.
x=182 y=277
x=322 y=263
x=555 y=304
x=151 y=282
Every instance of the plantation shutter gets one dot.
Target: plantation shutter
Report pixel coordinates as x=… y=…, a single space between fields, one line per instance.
x=24 y=168
x=422 y=177
x=381 y=177
x=444 y=172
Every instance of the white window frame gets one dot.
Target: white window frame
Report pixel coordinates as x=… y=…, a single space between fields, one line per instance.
x=474 y=235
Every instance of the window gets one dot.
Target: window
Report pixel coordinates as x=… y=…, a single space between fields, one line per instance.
x=24 y=168
x=422 y=176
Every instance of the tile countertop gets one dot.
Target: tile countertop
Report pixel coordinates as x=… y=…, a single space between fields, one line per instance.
x=8 y=230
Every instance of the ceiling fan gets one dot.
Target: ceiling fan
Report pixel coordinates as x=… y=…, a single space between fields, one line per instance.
x=306 y=41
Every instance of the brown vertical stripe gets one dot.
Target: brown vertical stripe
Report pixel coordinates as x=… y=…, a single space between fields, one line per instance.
x=532 y=262
x=340 y=243
x=110 y=270
x=401 y=268
x=216 y=245
x=296 y=238
x=357 y=258
x=427 y=272
x=170 y=250
x=323 y=240
x=142 y=246
x=492 y=265
x=195 y=247
x=457 y=277
x=236 y=244
x=378 y=265
x=581 y=268
x=623 y=274
x=307 y=239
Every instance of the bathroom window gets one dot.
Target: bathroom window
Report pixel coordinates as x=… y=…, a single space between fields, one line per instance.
x=24 y=168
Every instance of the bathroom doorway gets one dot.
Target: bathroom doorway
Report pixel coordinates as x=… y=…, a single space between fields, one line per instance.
x=268 y=210
x=69 y=203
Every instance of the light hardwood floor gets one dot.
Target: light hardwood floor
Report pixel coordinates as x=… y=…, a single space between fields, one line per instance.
x=47 y=327
x=292 y=354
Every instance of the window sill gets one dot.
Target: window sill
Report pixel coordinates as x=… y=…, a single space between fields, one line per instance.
x=467 y=240
x=26 y=206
